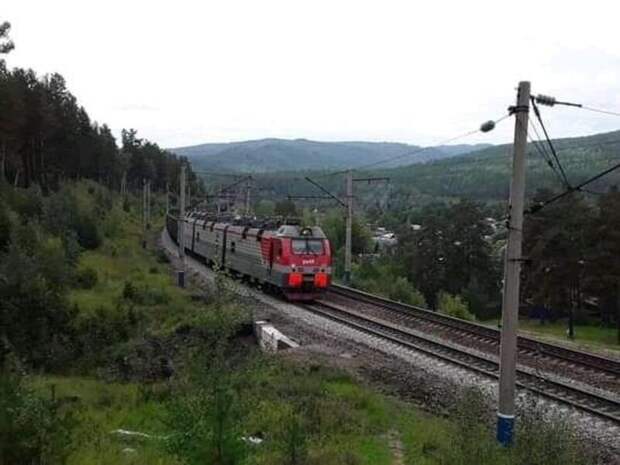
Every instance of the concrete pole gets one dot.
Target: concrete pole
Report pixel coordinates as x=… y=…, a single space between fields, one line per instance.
x=181 y=231
x=247 y=198
x=349 y=227
x=219 y=194
x=510 y=304
x=167 y=199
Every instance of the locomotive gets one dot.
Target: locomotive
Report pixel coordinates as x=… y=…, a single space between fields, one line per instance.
x=280 y=255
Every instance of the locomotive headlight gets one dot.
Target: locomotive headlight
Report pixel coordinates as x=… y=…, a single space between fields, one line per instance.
x=321 y=280
x=295 y=279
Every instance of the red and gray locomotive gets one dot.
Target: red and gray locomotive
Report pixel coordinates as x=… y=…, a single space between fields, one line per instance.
x=281 y=255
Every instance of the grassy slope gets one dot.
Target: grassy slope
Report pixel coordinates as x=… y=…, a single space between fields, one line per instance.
x=593 y=338
x=104 y=407
x=354 y=422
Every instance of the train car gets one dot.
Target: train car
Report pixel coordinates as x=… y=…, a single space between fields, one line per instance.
x=292 y=259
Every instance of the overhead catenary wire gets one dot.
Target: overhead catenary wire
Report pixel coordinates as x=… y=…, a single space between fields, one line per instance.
x=419 y=150
x=551 y=147
x=579 y=187
x=599 y=110
x=542 y=150
x=551 y=101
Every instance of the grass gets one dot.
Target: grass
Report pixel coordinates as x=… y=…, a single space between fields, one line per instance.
x=586 y=336
x=99 y=409
x=121 y=260
x=594 y=336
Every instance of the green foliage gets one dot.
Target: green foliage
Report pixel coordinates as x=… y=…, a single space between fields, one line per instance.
x=449 y=252
x=86 y=278
x=5 y=228
x=265 y=208
x=285 y=208
x=383 y=278
x=47 y=138
x=546 y=440
x=34 y=316
x=33 y=430
x=455 y=306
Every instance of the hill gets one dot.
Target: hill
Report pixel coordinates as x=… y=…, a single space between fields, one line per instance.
x=485 y=174
x=268 y=155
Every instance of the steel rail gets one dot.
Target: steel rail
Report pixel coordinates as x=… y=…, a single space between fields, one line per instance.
x=593 y=403
x=531 y=345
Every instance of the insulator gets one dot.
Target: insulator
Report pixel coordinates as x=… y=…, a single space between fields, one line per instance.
x=545 y=100
x=488 y=126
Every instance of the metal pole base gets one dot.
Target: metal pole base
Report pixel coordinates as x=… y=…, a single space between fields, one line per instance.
x=181 y=278
x=347 y=277
x=505 y=429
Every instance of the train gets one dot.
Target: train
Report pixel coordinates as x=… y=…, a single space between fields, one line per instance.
x=280 y=255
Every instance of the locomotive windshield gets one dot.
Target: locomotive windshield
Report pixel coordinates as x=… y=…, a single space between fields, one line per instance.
x=307 y=246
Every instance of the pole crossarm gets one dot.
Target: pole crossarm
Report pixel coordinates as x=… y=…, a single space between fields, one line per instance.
x=301 y=197
x=369 y=180
x=316 y=184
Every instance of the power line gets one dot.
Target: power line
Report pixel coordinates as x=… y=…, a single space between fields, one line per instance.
x=551 y=101
x=536 y=208
x=551 y=147
x=483 y=128
x=598 y=110
x=541 y=149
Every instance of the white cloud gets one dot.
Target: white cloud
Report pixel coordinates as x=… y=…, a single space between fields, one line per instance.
x=186 y=72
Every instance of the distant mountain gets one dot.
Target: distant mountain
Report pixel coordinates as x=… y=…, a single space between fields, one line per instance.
x=482 y=175
x=269 y=155
x=485 y=174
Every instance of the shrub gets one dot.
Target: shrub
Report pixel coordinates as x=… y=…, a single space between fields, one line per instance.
x=87 y=232
x=34 y=313
x=32 y=429
x=545 y=440
x=86 y=278
x=129 y=291
x=403 y=291
x=162 y=257
x=455 y=306
x=5 y=228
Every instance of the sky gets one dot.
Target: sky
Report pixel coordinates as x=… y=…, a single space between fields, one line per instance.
x=189 y=72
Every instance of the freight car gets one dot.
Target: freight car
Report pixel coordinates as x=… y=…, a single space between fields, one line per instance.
x=279 y=255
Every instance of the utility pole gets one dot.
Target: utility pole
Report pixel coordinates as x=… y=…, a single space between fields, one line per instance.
x=247 y=197
x=167 y=199
x=219 y=194
x=349 y=227
x=181 y=231
x=512 y=269
x=348 y=205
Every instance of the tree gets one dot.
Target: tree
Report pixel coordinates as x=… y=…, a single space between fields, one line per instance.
x=6 y=44
x=556 y=246
x=603 y=264
x=285 y=208
x=449 y=252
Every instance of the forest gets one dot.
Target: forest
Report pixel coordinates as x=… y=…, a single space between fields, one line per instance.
x=47 y=137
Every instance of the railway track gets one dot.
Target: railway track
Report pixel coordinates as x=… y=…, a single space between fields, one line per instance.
x=606 y=371
x=393 y=333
